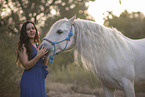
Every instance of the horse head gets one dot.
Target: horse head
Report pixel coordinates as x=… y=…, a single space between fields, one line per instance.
x=60 y=36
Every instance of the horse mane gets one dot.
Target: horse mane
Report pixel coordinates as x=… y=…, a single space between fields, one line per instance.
x=98 y=45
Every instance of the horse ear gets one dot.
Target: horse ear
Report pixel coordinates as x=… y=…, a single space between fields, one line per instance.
x=71 y=21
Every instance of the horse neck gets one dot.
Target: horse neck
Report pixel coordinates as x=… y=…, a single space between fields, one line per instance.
x=96 y=44
x=90 y=36
x=90 y=44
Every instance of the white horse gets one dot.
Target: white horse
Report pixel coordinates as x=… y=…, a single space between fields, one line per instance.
x=118 y=61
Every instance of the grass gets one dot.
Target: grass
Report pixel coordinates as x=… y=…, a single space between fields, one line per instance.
x=75 y=81
x=70 y=81
x=76 y=75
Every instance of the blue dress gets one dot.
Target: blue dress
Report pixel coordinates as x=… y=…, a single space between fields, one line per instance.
x=33 y=80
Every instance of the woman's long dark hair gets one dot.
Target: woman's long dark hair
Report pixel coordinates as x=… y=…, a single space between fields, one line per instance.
x=24 y=39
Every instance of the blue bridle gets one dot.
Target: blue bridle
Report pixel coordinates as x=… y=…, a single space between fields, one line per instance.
x=53 y=43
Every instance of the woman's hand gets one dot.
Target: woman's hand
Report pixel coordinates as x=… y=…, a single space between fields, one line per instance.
x=42 y=51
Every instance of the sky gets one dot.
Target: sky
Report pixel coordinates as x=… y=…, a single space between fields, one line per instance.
x=98 y=7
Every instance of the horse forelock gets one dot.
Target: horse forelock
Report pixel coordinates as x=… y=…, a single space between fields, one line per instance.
x=97 y=44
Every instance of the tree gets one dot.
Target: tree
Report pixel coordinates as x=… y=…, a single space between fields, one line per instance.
x=43 y=12
x=130 y=24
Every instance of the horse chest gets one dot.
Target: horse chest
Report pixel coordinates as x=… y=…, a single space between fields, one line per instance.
x=111 y=74
x=110 y=80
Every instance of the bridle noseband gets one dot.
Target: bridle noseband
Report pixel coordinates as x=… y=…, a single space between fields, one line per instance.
x=53 y=43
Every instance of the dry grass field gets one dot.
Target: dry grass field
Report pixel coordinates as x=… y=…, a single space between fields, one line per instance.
x=75 y=81
x=70 y=90
x=72 y=81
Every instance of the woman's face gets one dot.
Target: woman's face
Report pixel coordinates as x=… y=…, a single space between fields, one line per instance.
x=30 y=30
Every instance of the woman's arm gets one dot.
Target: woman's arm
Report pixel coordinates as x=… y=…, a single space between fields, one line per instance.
x=30 y=63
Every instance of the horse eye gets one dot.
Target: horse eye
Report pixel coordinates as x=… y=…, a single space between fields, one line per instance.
x=59 y=32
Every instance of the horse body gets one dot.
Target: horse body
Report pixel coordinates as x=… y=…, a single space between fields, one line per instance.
x=139 y=63
x=118 y=61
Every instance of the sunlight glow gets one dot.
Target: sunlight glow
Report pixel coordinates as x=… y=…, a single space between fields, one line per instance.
x=53 y=12
x=98 y=8
x=3 y=13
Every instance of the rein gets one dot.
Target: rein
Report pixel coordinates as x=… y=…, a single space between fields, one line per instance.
x=53 y=43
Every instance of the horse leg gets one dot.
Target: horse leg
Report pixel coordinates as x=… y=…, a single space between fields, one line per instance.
x=128 y=87
x=109 y=92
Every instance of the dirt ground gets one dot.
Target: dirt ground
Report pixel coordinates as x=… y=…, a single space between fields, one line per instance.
x=68 y=90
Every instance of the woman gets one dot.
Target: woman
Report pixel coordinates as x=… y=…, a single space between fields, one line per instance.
x=28 y=53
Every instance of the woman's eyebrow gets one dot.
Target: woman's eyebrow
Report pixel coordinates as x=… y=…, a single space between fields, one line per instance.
x=30 y=27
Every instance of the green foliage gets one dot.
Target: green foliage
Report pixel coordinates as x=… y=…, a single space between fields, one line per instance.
x=9 y=73
x=130 y=24
x=74 y=74
x=120 y=1
x=43 y=12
